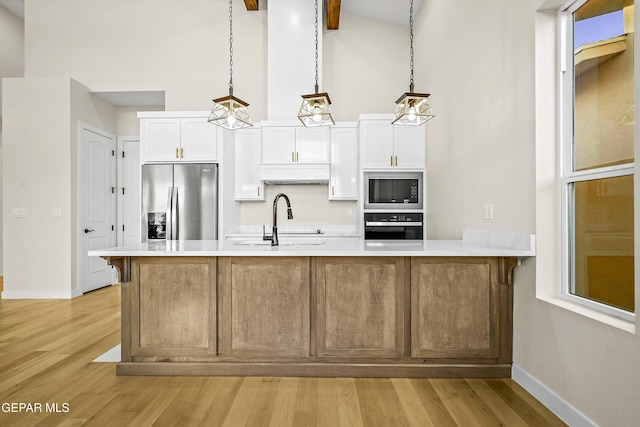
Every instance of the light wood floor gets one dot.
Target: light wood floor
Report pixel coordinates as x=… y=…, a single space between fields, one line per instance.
x=46 y=353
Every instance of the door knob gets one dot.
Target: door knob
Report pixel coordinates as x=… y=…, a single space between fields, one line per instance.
x=86 y=230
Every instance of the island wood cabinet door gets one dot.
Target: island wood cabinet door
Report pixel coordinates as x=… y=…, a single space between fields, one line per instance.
x=173 y=307
x=455 y=308
x=360 y=307
x=264 y=310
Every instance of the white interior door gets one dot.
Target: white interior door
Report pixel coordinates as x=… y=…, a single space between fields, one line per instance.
x=97 y=202
x=128 y=160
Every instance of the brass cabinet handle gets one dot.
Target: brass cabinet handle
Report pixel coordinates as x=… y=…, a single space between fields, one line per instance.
x=292 y=157
x=297 y=159
x=390 y=160
x=333 y=190
x=258 y=191
x=182 y=153
x=396 y=160
x=176 y=152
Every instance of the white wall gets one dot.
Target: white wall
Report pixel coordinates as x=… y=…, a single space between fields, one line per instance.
x=478 y=59
x=11 y=65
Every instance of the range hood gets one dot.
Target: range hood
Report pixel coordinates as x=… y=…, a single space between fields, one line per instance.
x=295 y=174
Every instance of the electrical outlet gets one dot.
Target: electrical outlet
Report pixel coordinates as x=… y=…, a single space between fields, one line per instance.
x=488 y=212
x=19 y=212
x=56 y=212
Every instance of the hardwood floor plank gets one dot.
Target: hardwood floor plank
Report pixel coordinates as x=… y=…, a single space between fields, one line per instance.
x=501 y=409
x=411 y=403
x=285 y=401
x=432 y=403
x=47 y=348
x=348 y=405
x=525 y=404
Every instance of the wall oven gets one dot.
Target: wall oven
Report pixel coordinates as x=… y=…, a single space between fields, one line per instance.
x=393 y=226
x=393 y=190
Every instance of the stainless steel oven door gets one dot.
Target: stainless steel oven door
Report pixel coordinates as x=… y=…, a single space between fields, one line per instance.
x=383 y=226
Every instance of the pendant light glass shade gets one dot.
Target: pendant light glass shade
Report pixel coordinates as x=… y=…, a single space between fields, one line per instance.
x=413 y=109
x=230 y=112
x=315 y=110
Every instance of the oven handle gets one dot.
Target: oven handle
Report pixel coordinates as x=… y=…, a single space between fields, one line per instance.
x=393 y=224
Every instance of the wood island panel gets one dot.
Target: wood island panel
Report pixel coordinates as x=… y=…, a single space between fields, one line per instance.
x=174 y=307
x=360 y=307
x=359 y=316
x=455 y=308
x=265 y=307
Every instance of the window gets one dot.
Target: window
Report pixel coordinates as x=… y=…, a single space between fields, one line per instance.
x=598 y=153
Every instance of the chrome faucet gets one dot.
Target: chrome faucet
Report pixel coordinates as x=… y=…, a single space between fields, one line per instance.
x=274 y=232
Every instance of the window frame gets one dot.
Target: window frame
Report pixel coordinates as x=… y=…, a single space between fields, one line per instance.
x=567 y=174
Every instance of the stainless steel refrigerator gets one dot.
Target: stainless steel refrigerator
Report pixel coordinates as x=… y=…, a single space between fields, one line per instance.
x=179 y=202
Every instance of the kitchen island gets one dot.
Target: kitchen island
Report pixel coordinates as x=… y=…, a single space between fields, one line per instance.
x=319 y=307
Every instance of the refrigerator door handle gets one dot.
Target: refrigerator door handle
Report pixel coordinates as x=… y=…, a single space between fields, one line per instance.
x=169 y=218
x=174 y=214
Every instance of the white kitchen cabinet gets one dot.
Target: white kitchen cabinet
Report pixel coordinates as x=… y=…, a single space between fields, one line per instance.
x=281 y=145
x=312 y=145
x=343 y=181
x=278 y=144
x=247 y=156
x=385 y=146
x=178 y=139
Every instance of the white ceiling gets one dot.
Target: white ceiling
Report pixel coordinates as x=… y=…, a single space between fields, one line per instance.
x=383 y=10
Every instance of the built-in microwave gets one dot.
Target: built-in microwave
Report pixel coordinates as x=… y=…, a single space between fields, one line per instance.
x=393 y=190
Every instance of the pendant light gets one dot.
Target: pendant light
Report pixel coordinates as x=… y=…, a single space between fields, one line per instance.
x=413 y=109
x=230 y=112
x=315 y=110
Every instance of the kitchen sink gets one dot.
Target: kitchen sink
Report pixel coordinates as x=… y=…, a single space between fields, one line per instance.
x=282 y=243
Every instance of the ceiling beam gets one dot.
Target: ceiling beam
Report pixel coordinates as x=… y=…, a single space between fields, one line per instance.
x=251 y=4
x=333 y=14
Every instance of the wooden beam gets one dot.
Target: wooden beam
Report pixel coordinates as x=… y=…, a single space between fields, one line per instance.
x=251 y=4
x=333 y=14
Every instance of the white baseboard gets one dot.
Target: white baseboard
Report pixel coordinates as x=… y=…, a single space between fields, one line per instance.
x=556 y=404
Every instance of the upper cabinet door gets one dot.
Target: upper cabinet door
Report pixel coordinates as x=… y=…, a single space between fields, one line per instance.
x=312 y=145
x=343 y=183
x=160 y=140
x=198 y=140
x=278 y=145
x=410 y=146
x=377 y=144
x=247 y=157
x=174 y=139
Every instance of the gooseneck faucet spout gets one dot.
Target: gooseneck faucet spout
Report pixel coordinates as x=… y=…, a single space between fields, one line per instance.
x=274 y=232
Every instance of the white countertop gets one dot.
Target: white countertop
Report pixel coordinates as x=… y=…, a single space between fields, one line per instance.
x=474 y=243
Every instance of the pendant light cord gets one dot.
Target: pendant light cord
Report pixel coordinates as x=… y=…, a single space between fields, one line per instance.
x=316 y=25
x=411 y=44
x=230 y=47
